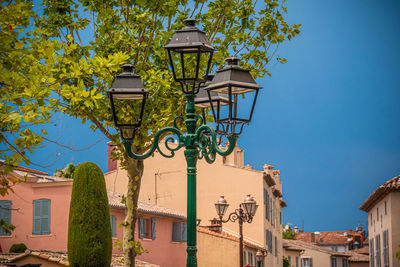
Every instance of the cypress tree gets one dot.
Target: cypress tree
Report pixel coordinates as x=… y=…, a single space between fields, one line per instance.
x=89 y=229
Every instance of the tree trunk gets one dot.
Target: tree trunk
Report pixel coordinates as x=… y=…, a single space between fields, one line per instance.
x=134 y=170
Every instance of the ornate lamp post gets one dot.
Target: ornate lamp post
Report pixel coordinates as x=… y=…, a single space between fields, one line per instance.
x=244 y=213
x=190 y=56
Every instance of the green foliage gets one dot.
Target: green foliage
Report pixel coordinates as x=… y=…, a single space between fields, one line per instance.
x=18 y=248
x=398 y=254
x=7 y=228
x=288 y=232
x=285 y=262
x=67 y=172
x=89 y=229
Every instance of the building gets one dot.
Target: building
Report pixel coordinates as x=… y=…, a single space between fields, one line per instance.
x=340 y=241
x=383 y=207
x=164 y=183
x=292 y=253
x=54 y=259
x=316 y=256
x=39 y=209
x=220 y=248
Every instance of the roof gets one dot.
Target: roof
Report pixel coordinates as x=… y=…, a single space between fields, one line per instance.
x=230 y=236
x=24 y=169
x=289 y=246
x=357 y=257
x=393 y=185
x=325 y=238
x=306 y=245
x=364 y=250
x=62 y=258
x=115 y=201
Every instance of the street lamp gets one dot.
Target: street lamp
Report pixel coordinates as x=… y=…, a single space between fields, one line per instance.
x=190 y=55
x=260 y=257
x=245 y=213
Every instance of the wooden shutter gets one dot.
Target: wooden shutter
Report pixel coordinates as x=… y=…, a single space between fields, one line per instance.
x=5 y=214
x=45 y=217
x=184 y=232
x=176 y=230
x=153 y=228
x=36 y=217
x=141 y=227
x=371 y=252
x=311 y=263
x=113 y=222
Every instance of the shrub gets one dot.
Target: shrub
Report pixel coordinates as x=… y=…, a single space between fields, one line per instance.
x=18 y=248
x=89 y=229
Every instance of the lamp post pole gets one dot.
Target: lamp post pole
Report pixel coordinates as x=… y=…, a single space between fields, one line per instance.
x=245 y=213
x=199 y=141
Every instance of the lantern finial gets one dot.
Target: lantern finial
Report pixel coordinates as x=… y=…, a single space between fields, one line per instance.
x=190 y=22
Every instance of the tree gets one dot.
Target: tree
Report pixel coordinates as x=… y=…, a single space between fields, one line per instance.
x=67 y=172
x=288 y=232
x=286 y=262
x=398 y=254
x=91 y=39
x=89 y=228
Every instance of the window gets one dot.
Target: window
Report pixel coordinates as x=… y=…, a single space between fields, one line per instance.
x=276 y=246
x=280 y=218
x=345 y=263
x=290 y=260
x=179 y=232
x=147 y=228
x=385 y=208
x=385 y=248
x=266 y=202
x=244 y=257
x=306 y=262
x=297 y=261
x=250 y=258
x=377 y=214
x=272 y=211
x=5 y=214
x=41 y=217
x=371 y=252
x=333 y=262
x=113 y=222
x=378 y=250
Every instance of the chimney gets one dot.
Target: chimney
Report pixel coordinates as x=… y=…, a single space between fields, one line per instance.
x=312 y=237
x=296 y=229
x=112 y=164
x=236 y=158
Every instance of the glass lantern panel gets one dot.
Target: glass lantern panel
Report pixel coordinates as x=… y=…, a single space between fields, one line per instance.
x=190 y=65
x=235 y=90
x=128 y=96
x=127 y=112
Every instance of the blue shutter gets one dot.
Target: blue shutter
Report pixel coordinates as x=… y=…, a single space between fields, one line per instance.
x=113 y=222
x=175 y=231
x=45 y=217
x=153 y=228
x=267 y=216
x=36 y=217
x=244 y=260
x=5 y=214
x=141 y=226
x=311 y=263
x=184 y=232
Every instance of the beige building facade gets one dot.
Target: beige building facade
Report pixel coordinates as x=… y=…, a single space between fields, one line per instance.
x=164 y=183
x=316 y=256
x=383 y=207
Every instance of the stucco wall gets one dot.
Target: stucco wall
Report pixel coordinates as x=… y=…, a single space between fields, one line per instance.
x=22 y=216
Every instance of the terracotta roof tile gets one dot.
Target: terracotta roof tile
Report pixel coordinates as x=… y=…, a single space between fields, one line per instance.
x=390 y=186
x=62 y=258
x=115 y=200
x=307 y=245
x=357 y=257
x=325 y=238
x=230 y=236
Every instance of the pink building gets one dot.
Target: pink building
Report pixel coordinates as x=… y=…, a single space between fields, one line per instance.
x=39 y=209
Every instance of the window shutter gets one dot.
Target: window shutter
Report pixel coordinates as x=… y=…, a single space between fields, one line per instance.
x=36 y=217
x=175 y=231
x=371 y=252
x=113 y=222
x=244 y=258
x=5 y=214
x=184 y=232
x=153 y=228
x=311 y=263
x=141 y=226
x=268 y=206
x=45 y=217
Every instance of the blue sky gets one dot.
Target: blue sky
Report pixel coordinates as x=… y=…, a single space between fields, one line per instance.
x=328 y=119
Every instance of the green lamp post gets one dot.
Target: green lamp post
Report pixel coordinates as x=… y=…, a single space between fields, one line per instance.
x=190 y=55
